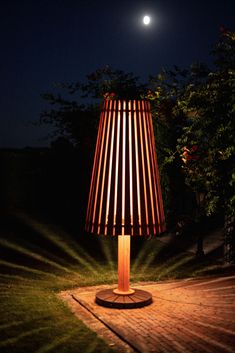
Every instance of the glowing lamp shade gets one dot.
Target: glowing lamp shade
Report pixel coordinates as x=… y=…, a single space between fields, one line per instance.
x=125 y=196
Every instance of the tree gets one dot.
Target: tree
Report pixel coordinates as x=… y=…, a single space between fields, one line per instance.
x=77 y=118
x=210 y=135
x=201 y=120
x=169 y=119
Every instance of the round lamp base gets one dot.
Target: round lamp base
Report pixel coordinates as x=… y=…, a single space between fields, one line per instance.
x=110 y=299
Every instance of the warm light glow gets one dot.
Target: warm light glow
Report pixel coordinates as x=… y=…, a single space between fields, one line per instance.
x=88 y=215
x=124 y=244
x=109 y=177
x=103 y=176
x=143 y=169
x=149 y=171
x=137 y=169
x=116 y=173
x=146 y=20
x=123 y=170
x=131 y=175
x=125 y=194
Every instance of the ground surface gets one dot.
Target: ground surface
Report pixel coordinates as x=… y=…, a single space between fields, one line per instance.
x=39 y=258
x=190 y=315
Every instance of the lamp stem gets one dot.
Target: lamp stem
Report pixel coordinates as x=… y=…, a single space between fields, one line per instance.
x=124 y=242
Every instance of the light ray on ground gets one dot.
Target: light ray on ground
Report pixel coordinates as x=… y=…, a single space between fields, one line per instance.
x=28 y=269
x=59 y=241
x=57 y=342
x=14 y=340
x=106 y=249
x=35 y=256
x=92 y=346
x=8 y=325
x=143 y=254
x=172 y=268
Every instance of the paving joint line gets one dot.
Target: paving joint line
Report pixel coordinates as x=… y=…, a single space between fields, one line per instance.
x=80 y=302
x=176 y=301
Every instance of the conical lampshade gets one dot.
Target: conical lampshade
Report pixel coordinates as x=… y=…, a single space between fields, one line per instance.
x=125 y=195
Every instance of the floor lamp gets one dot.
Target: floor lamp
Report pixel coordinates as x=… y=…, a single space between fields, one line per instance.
x=125 y=195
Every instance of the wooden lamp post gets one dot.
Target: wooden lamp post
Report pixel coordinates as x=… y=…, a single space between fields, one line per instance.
x=125 y=196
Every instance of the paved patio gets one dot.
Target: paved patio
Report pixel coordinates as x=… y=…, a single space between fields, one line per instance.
x=192 y=315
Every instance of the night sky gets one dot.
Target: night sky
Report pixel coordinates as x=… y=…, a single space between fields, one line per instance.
x=49 y=41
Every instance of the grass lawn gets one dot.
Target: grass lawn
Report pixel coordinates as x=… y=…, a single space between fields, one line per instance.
x=39 y=259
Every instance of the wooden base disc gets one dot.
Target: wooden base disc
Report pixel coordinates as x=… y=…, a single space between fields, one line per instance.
x=117 y=291
x=138 y=299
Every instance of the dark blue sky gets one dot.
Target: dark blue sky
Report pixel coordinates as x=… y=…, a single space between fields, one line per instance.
x=47 y=41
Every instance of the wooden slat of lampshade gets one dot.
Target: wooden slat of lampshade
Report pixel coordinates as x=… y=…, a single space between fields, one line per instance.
x=125 y=195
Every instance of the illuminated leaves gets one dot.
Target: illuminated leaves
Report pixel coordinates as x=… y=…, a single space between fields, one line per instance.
x=196 y=107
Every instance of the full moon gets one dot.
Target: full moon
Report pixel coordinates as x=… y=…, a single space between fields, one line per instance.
x=146 y=20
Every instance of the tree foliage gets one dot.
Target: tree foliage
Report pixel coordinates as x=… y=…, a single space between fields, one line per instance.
x=206 y=142
x=76 y=116
x=196 y=108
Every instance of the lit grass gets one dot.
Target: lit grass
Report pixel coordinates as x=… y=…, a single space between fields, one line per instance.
x=39 y=260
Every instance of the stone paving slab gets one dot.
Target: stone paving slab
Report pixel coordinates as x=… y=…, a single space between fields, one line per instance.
x=193 y=315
